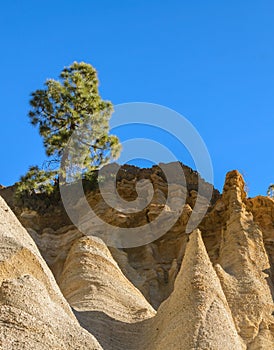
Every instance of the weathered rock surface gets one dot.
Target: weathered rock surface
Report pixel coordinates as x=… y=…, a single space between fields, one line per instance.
x=33 y=312
x=213 y=290
x=151 y=268
x=196 y=315
x=106 y=303
x=243 y=260
x=92 y=280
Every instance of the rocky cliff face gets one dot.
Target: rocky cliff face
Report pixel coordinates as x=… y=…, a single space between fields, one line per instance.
x=212 y=289
x=33 y=312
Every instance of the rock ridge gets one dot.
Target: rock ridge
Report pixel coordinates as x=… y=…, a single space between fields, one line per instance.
x=212 y=289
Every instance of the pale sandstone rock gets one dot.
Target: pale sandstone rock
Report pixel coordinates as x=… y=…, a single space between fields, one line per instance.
x=243 y=260
x=151 y=274
x=262 y=209
x=33 y=312
x=55 y=245
x=238 y=234
x=106 y=303
x=92 y=280
x=196 y=315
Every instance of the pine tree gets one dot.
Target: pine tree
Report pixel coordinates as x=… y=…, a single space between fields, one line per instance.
x=71 y=109
x=63 y=106
x=36 y=180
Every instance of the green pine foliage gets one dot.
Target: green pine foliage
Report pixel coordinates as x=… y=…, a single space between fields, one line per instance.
x=36 y=181
x=64 y=105
x=73 y=121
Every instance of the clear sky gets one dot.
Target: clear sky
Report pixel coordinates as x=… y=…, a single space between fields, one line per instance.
x=212 y=61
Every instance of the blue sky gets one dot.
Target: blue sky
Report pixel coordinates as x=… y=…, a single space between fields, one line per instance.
x=211 y=61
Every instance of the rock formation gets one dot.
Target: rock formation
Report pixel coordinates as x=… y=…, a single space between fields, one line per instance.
x=107 y=304
x=212 y=289
x=243 y=265
x=33 y=312
x=196 y=315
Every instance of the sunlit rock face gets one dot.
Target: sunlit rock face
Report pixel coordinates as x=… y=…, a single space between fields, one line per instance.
x=212 y=289
x=33 y=312
x=196 y=315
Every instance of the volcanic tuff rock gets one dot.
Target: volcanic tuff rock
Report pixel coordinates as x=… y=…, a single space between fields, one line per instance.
x=33 y=312
x=243 y=263
x=196 y=315
x=212 y=289
x=151 y=268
